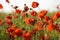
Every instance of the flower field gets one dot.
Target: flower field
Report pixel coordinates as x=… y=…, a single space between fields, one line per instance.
x=29 y=24
x=28 y=27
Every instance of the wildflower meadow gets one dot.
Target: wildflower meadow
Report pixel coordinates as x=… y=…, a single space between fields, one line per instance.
x=28 y=24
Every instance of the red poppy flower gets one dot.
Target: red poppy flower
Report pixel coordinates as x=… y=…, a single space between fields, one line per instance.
x=9 y=30
x=13 y=34
x=34 y=31
x=1 y=22
x=9 y=23
x=17 y=11
x=50 y=21
x=35 y=4
x=58 y=13
x=29 y=21
x=8 y=17
x=7 y=1
x=1 y=7
x=42 y=13
x=55 y=17
x=26 y=8
x=46 y=19
x=18 y=32
x=57 y=27
x=40 y=23
x=50 y=27
x=39 y=26
x=33 y=13
x=27 y=36
x=14 y=27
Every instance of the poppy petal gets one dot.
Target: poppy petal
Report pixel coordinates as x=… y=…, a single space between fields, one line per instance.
x=1 y=7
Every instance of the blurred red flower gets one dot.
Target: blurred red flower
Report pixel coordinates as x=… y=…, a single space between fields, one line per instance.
x=29 y=21
x=55 y=16
x=42 y=13
x=58 y=13
x=17 y=11
x=50 y=27
x=33 y=32
x=35 y=4
x=1 y=7
x=26 y=8
x=27 y=36
x=8 y=17
x=9 y=30
x=46 y=19
x=7 y=1
x=33 y=13
x=1 y=22
x=18 y=32
x=9 y=23
x=14 y=26
x=39 y=25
